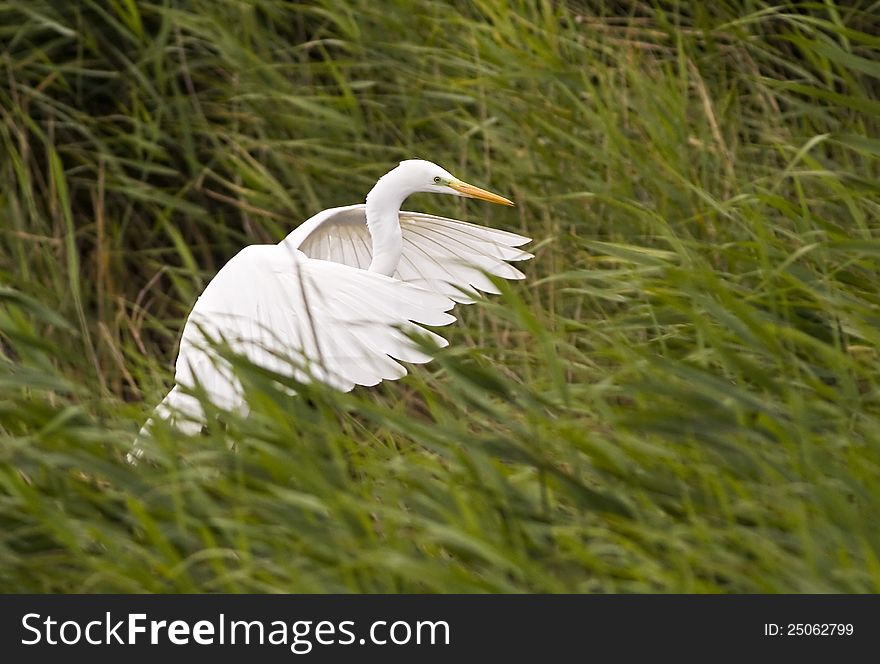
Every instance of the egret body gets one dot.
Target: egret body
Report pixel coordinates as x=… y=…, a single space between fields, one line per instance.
x=338 y=298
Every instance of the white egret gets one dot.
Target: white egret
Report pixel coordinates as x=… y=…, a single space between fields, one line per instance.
x=339 y=296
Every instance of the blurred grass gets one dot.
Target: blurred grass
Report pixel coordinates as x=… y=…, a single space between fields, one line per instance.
x=683 y=397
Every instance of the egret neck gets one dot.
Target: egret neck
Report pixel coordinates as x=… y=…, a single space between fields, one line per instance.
x=383 y=220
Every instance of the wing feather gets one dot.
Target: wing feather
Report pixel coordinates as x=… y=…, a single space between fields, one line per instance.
x=311 y=319
x=441 y=255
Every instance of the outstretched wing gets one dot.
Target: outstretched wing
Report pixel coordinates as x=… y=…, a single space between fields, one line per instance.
x=442 y=255
x=304 y=318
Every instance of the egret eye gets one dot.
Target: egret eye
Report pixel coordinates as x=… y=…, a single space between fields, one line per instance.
x=437 y=180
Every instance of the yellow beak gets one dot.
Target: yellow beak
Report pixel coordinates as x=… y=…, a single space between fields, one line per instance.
x=471 y=191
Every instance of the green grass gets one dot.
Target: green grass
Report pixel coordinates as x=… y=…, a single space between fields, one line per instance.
x=684 y=396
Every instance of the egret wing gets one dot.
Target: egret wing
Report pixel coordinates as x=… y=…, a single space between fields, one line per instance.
x=305 y=318
x=442 y=255
x=453 y=257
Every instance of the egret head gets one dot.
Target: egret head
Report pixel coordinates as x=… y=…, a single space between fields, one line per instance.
x=428 y=177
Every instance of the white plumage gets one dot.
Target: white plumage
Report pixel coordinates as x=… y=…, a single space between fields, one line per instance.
x=337 y=299
x=439 y=254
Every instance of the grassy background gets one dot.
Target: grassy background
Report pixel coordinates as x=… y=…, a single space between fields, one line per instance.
x=683 y=397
